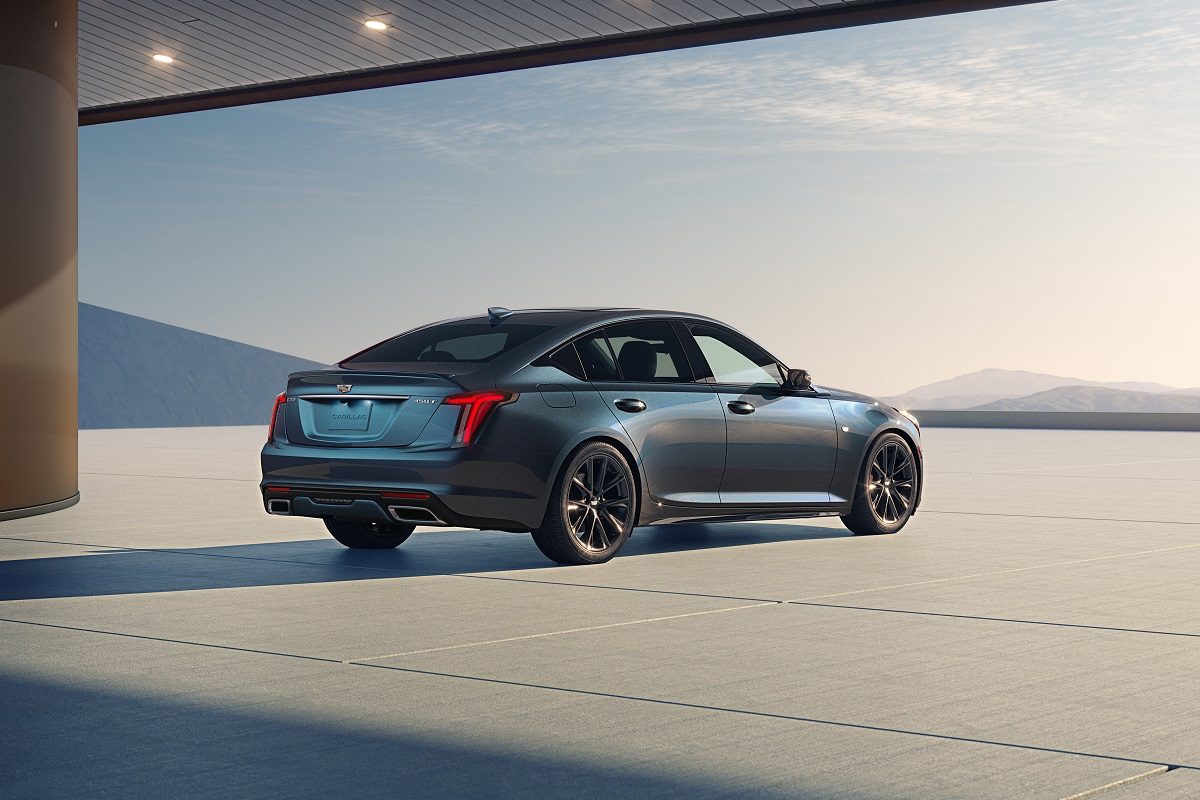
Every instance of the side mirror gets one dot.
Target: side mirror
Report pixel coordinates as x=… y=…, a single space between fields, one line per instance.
x=798 y=379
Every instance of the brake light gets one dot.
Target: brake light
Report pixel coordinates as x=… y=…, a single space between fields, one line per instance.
x=280 y=400
x=476 y=408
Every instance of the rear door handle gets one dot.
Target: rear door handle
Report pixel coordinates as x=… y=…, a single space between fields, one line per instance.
x=740 y=407
x=630 y=404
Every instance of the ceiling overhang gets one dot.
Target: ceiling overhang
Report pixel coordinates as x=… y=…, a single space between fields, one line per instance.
x=229 y=53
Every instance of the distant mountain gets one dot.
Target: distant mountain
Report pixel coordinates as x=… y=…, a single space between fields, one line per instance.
x=1097 y=398
x=907 y=401
x=992 y=385
x=136 y=373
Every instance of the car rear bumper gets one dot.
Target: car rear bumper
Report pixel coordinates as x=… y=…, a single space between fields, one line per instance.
x=473 y=488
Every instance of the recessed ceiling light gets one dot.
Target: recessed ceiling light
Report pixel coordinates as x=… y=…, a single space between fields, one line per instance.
x=376 y=25
x=162 y=58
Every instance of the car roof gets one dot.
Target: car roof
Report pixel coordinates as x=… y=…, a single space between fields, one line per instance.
x=570 y=317
x=566 y=324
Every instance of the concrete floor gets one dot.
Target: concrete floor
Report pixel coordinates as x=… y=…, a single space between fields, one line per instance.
x=1033 y=633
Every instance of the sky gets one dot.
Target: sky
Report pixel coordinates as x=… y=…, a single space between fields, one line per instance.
x=884 y=206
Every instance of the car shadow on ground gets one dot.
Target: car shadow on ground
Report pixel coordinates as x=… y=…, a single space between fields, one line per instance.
x=109 y=572
x=89 y=740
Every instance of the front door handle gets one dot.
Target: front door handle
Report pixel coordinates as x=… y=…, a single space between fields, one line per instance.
x=740 y=407
x=630 y=404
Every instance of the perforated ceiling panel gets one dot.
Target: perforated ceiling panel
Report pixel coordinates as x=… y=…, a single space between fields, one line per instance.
x=232 y=52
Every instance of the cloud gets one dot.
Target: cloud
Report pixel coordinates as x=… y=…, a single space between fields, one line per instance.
x=1074 y=79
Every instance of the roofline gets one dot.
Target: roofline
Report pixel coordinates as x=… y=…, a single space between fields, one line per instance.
x=781 y=24
x=595 y=320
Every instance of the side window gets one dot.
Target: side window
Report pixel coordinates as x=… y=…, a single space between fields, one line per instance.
x=598 y=361
x=566 y=359
x=649 y=351
x=735 y=359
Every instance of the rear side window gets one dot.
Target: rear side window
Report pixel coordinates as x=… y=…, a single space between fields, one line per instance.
x=598 y=360
x=649 y=351
x=449 y=342
x=566 y=359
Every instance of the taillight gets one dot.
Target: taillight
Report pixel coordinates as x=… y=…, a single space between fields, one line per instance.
x=275 y=415
x=476 y=408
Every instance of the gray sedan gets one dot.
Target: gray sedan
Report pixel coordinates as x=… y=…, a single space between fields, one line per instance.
x=577 y=425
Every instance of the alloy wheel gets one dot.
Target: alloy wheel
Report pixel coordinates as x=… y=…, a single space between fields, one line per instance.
x=891 y=482
x=598 y=502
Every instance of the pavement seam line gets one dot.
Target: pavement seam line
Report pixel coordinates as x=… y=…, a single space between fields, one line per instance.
x=389 y=571
x=1076 y=466
x=982 y=618
x=1076 y=477
x=168 y=640
x=393 y=573
x=170 y=551
x=562 y=632
x=1053 y=516
x=997 y=572
x=176 y=477
x=614 y=696
x=613 y=588
x=1161 y=769
x=780 y=716
x=143 y=527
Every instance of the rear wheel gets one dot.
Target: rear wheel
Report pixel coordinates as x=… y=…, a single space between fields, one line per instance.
x=887 y=488
x=592 y=509
x=368 y=535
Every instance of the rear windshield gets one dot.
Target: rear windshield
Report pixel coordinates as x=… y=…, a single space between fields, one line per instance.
x=454 y=341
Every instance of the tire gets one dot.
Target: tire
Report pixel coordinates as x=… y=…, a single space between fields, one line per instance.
x=888 y=486
x=359 y=535
x=592 y=509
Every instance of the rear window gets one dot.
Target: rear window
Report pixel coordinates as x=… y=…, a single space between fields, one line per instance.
x=454 y=341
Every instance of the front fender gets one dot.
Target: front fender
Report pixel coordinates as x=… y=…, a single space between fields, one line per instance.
x=859 y=424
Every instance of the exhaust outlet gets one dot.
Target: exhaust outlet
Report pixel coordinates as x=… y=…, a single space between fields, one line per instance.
x=418 y=515
x=279 y=506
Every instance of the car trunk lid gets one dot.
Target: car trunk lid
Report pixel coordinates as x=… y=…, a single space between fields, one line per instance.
x=336 y=408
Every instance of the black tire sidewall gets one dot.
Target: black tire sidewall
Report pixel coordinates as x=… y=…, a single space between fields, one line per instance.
x=885 y=527
x=359 y=535
x=565 y=546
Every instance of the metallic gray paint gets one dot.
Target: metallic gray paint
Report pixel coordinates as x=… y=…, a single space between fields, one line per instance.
x=797 y=454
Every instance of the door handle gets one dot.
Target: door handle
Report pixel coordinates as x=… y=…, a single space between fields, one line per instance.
x=740 y=407
x=630 y=404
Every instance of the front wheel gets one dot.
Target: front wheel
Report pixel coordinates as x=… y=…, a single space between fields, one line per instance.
x=368 y=535
x=887 y=488
x=592 y=508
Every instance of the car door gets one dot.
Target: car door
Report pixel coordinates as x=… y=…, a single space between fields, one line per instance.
x=642 y=371
x=782 y=443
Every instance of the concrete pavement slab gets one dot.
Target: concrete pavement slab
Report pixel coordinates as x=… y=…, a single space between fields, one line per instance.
x=1018 y=650
x=1086 y=691
x=1155 y=592
x=339 y=613
x=132 y=718
x=1179 y=784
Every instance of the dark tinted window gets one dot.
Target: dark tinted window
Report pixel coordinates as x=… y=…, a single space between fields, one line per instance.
x=734 y=359
x=648 y=351
x=597 y=358
x=452 y=341
x=566 y=359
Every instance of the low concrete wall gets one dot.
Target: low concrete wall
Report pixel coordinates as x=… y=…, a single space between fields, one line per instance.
x=1069 y=420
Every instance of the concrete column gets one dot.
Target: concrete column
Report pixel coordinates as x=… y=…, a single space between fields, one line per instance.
x=39 y=317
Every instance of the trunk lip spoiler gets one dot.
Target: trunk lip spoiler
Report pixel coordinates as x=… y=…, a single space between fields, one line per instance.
x=349 y=396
